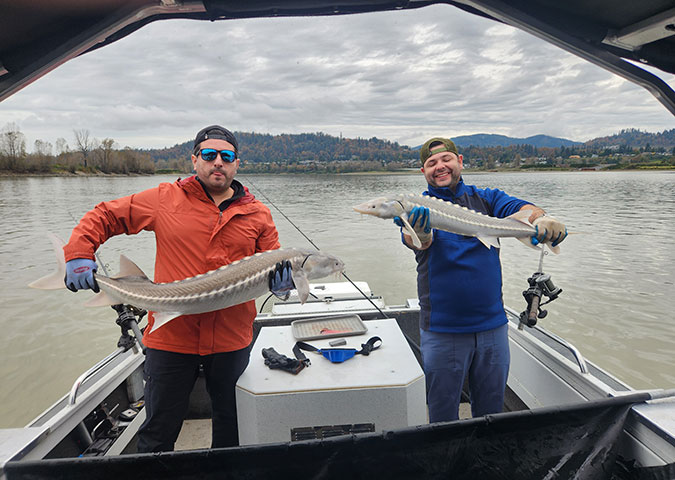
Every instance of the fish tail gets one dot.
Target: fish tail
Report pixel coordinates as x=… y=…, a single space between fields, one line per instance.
x=54 y=280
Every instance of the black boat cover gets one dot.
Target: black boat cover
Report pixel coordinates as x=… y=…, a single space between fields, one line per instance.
x=568 y=442
x=618 y=35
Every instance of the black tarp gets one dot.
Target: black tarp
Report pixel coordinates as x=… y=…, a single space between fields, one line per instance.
x=554 y=443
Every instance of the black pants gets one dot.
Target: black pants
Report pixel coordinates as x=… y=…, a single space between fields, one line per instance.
x=169 y=378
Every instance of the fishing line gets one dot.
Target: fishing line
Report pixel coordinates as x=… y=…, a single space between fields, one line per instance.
x=248 y=180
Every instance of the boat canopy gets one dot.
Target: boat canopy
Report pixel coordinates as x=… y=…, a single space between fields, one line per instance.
x=621 y=36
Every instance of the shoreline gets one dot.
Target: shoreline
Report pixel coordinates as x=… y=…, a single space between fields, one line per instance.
x=76 y=174
x=6 y=174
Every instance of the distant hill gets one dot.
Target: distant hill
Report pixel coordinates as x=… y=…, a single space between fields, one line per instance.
x=308 y=147
x=635 y=138
x=493 y=140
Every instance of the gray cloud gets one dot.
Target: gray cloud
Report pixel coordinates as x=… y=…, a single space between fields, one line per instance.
x=403 y=76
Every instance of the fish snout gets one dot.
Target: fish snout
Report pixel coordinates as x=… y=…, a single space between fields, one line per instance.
x=378 y=207
x=318 y=265
x=338 y=268
x=334 y=264
x=365 y=208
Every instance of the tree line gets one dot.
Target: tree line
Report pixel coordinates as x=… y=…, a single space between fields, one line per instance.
x=87 y=155
x=319 y=152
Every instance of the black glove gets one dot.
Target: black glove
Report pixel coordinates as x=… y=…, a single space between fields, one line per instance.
x=281 y=280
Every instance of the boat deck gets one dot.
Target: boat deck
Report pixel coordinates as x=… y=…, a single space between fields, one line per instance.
x=196 y=433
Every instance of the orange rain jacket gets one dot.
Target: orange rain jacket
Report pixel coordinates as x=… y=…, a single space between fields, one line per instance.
x=192 y=236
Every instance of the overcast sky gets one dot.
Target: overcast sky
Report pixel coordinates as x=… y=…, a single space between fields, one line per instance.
x=403 y=76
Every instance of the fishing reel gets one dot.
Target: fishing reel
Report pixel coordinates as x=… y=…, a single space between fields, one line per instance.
x=128 y=318
x=541 y=285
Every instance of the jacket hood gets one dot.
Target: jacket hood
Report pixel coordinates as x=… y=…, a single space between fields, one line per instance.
x=192 y=187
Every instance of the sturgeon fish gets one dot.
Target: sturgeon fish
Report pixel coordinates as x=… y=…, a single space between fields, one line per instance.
x=447 y=216
x=229 y=285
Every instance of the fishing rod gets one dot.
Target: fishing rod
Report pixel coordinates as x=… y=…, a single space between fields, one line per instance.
x=540 y=285
x=248 y=180
x=126 y=318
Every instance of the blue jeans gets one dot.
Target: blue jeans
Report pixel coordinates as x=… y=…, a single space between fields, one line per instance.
x=449 y=357
x=169 y=378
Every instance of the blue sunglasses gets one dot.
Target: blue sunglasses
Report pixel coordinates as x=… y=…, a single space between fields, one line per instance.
x=210 y=154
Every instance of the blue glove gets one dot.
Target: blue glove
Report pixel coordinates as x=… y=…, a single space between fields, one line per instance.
x=80 y=274
x=281 y=281
x=421 y=214
x=419 y=219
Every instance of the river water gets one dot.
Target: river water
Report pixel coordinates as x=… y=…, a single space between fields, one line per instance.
x=617 y=272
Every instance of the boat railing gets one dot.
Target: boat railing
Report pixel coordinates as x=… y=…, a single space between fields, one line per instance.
x=72 y=397
x=573 y=350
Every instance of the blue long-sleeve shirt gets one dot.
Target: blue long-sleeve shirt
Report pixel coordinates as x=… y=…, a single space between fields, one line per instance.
x=459 y=280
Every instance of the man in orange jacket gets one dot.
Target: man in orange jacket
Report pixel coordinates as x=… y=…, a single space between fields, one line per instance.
x=200 y=224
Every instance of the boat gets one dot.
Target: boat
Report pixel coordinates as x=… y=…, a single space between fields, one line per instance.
x=564 y=417
x=562 y=413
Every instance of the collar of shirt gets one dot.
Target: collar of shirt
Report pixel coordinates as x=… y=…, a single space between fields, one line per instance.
x=239 y=192
x=446 y=193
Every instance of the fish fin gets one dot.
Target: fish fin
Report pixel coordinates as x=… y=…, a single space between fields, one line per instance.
x=55 y=280
x=489 y=241
x=522 y=216
x=528 y=241
x=129 y=269
x=162 y=318
x=555 y=249
x=100 y=300
x=409 y=229
x=301 y=284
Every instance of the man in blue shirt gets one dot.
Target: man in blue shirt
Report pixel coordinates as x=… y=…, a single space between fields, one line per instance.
x=463 y=326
